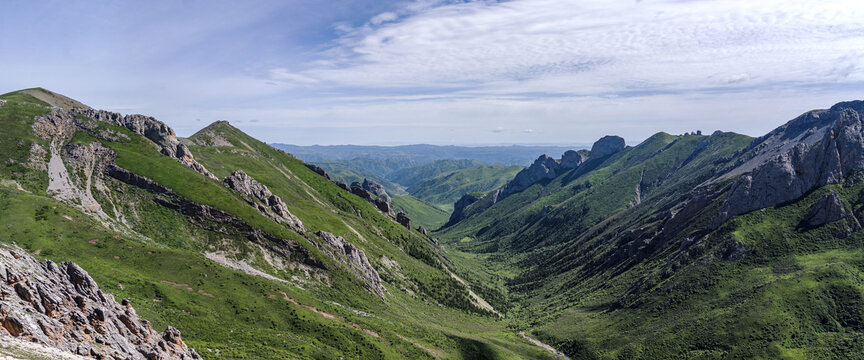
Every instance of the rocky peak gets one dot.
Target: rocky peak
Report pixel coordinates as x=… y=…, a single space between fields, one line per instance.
x=808 y=162
x=606 y=146
x=573 y=159
x=269 y=204
x=543 y=168
x=459 y=208
x=374 y=187
x=346 y=253
x=60 y=305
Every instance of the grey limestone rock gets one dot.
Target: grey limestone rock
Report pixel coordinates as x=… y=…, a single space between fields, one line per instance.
x=804 y=165
x=346 y=253
x=59 y=305
x=827 y=209
x=269 y=204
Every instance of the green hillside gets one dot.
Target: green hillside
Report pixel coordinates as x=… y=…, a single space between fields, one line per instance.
x=445 y=188
x=232 y=280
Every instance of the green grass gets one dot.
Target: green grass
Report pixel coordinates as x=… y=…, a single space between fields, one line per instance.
x=420 y=212
x=246 y=316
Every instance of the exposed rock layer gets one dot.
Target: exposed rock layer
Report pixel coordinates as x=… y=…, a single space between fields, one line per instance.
x=802 y=167
x=60 y=305
x=346 y=253
x=269 y=204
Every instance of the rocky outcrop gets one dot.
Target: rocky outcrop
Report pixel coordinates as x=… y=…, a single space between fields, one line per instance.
x=403 y=220
x=317 y=169
x=547 y=168
x=60 y=305
x=263 y=199
x=827 y=209
x=154 y=130
x=59 y=125
x=422 y=230
x=212 y=219
x=544 y=168
x=357 y=189
x=346 y=253
x=460 y=207
x=383 y=204
x=803 y=167
x=573 y=159
x=373 y=187
x=606 y=146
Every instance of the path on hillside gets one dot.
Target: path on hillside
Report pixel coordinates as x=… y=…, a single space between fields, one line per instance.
x=539 y=343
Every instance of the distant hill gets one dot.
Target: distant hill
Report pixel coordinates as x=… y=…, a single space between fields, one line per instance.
x=422 y=153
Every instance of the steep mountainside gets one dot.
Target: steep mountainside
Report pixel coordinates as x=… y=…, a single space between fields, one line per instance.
x=686 y=246
x=245 y=249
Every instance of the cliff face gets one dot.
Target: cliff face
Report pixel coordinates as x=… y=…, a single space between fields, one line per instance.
x=60 y=305
x=805 y=163
x=62 y=124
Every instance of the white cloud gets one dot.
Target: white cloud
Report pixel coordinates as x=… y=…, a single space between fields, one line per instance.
x=593 y=47
x=383 y=17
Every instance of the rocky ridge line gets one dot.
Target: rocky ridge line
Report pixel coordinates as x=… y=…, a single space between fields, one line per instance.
x=836 y=154
x=547 y=168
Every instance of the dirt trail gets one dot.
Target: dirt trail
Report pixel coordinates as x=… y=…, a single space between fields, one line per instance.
x=477 y=299
x=539 y=343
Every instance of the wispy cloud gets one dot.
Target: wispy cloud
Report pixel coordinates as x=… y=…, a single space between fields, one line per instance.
x=593 y=47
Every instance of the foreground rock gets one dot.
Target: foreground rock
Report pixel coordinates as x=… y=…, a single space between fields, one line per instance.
x=267 y=203
x=346 y=253
x=60 y=305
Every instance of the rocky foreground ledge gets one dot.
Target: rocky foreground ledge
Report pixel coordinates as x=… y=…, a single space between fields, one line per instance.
x=60 y=306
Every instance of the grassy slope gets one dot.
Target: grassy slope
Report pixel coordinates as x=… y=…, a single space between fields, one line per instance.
x=698 y=305
x=420 y=212
x=446 y=188
x=246 y=317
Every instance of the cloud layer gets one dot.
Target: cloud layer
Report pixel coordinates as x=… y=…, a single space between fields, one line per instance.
x=447 y=71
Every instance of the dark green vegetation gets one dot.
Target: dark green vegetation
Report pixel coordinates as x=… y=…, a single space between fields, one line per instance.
x=447 y=187
x=627 y=260
x=161 y=258
x=437 y=183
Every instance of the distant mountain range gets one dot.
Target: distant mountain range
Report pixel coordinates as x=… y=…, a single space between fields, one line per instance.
x=421 y=154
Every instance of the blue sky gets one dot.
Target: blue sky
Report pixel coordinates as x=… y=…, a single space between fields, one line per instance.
x=442 y=72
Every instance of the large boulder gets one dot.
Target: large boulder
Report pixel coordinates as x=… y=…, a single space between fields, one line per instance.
x=827 y=209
